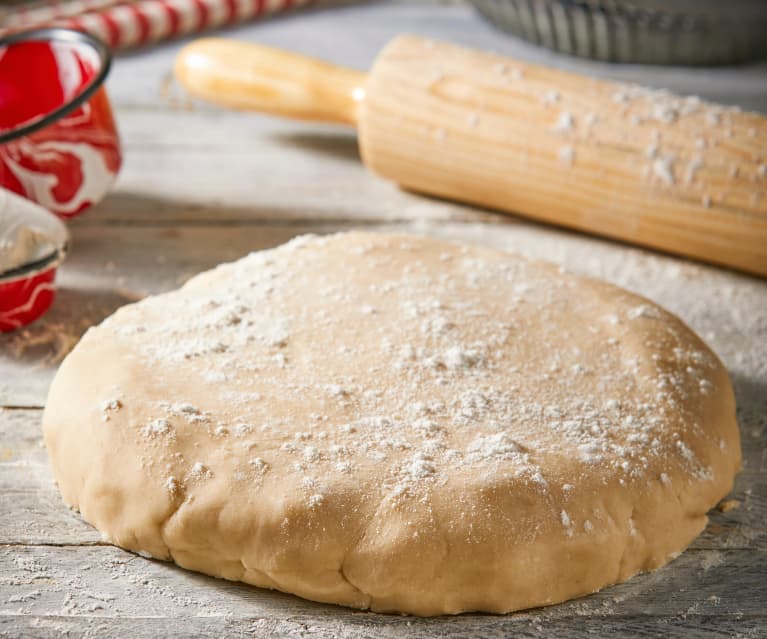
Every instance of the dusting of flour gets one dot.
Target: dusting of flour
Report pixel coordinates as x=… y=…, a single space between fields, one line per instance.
x=413 y=373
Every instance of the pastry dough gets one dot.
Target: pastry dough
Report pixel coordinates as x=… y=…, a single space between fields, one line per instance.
x=396 y=423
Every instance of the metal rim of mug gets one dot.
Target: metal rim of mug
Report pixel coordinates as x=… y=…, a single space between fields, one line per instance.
x=32 y=269
x=61 y=35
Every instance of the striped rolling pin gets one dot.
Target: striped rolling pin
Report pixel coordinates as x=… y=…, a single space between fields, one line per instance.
x=125 y=25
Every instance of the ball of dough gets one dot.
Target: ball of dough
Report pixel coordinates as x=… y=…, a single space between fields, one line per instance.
x=396 y=423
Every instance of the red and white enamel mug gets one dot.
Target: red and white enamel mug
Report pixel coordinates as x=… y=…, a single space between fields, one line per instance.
x=58 y=141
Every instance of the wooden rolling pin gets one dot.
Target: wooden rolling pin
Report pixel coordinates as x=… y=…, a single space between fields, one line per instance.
x=640 y=165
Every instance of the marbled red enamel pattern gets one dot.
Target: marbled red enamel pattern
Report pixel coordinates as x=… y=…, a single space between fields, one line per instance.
x=24 y=299
x=60 y=146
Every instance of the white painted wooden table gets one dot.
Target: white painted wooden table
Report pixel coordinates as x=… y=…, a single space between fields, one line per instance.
x=200 y=186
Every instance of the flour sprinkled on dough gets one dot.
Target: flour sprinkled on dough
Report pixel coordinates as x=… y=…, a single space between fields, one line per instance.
x=397 y=423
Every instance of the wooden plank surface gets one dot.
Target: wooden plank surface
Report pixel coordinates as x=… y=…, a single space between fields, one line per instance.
x=109 y=583
x=200 y=186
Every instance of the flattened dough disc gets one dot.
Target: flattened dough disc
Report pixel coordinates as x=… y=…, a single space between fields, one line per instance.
x=396 y=423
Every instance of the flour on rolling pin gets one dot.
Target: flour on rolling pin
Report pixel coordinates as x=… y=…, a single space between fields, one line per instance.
x=632 y=120
x=640 y=165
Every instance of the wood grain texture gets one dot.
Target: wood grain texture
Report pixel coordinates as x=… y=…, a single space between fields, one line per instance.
x=644 y=167
x=108 y=583
x=257 y=78
x=269 y=171
x=199 y=186
x=682 y=626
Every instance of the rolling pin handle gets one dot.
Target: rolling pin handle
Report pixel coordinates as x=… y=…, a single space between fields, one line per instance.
x=257 y=78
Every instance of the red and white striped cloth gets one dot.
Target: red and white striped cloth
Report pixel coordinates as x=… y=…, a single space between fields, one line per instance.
x=124 y=25
x=45 y=11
